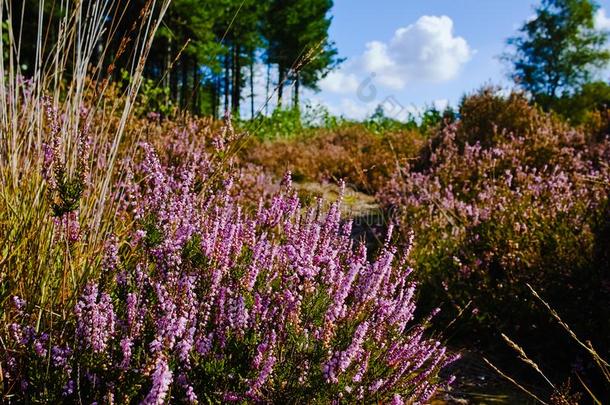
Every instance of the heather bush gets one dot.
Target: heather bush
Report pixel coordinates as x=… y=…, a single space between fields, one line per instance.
x=203 y=300
x=349 y=152
x=491 y=216
x=486 y=116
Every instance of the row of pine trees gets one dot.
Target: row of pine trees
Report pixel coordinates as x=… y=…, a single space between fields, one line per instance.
x=206 y=53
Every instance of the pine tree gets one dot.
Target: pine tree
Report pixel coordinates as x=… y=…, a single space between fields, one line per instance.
x=297 y=42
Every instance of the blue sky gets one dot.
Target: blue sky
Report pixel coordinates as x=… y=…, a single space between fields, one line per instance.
x=405 y=54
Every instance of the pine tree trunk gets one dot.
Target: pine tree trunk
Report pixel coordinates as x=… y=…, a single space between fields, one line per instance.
x=236 y=96
x=227 y=78
x=214 y=98
x=184 y=89
x=216 y=86
x=173 y=77
x=297 y=82
x=252 y=86
x=280 y=85
x=195 y=92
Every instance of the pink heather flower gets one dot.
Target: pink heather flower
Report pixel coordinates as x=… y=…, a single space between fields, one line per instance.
x=263 y=349
x=39 y=348
x=68 y=226
x=263 y=375
x=362 y=367
x=16 y=332
x=126 y=345
x=340 y=361
x=231 y=397
x=18 y=303
x=287 y=180
x=111 y=251
x=95 y=318
x=153 y=116
x=397 y=400
x=161 y=381
x=376 y=385
x=355 y=348
x=68 y=388
x=47 y=164
x=59 y=356
x=203 y=345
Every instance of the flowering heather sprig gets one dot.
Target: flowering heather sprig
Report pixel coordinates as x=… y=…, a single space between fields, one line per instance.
x=161 y=381
x=64 y=191
x=111 y=254
x=19 y=303
x=68 y=225
x=153 y=116
x=95 y=319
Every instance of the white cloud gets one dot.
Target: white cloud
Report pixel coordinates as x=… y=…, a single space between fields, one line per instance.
x=352 y=109
x=392 y=108
x=339 y=82
x=601 y=21
x=426 y=50
x=440 y=104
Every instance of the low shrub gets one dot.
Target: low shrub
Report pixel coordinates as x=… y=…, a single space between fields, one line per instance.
x=290 y=123
x=203 y=300
x=486 y=116
x=351 y=152
x=491 y=216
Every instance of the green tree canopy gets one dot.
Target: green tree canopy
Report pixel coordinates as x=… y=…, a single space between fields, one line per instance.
x=298 y=43
x=205 y=52
x=559 y=50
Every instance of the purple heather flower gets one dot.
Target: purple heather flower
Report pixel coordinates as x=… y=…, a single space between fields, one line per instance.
x=161 y=380
x=95 y=318
x=397 y=400
x=18 y=302
x=111 y=261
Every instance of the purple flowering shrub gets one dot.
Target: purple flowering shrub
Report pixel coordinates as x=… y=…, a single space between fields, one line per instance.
x=526 y=208
x=206 y=300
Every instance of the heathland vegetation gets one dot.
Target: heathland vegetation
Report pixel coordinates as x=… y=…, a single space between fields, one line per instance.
x=153 y=253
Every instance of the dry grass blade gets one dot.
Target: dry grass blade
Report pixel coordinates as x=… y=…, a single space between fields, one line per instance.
x=512 y=380
x=587 y=346
x=523 y=357
x=593 y=397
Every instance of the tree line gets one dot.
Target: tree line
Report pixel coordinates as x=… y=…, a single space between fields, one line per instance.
x=205 y=55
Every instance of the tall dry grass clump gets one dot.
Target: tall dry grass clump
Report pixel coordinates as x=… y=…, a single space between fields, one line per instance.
x=61 y=133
